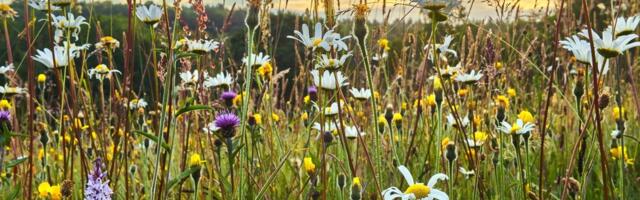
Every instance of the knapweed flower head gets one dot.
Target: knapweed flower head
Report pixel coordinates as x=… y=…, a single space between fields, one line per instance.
x=5 y=116
x=97 y=185
x=228 y=96
x=149 y=15
x=227 y=122
x=416 y=190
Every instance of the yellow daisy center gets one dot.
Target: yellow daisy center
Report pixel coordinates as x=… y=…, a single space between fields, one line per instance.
x=317 y=42
x=515 y=127
x=419 y=190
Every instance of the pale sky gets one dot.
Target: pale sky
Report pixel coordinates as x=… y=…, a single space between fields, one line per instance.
x=480 y=10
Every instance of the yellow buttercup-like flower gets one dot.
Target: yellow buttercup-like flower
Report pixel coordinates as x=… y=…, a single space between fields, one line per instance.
x=275 y=117
x=258 y=118
x=43 y=189
x=397 y=118
x=384 y=44
x=42 y=78
x=308 y=165
x=618 y=112
x=266 y=69
x=502 y=101
x=4 y=104
x=437 y=84
x=511 y=92
x=526 y=117
x=195 y=160
x=621 y=153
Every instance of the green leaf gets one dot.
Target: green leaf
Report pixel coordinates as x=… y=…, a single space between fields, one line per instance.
x=15 y=162
x=184 y=175
x=192 y=108
x=154 y=138
x=13 y=194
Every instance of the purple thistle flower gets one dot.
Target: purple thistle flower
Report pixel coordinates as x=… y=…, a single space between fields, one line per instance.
x=228 y=97
x=5 y=116
x=227 y=122
x=98 y=185
x=313 y=93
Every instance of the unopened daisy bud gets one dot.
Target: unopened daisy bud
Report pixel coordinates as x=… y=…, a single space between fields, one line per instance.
x=327 y=137
x=308 y=165
x=450 y=152
x=603 y=101
x=578 y=90
x=342 y=181
x=360 y=29
x=356 y=189
x=388 y=113
x=253 y=14
x=66 y=188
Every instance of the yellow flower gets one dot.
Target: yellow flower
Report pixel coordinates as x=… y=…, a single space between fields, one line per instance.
x=445 y=142
x=195 y=160
x=382 y=121
x=498 y=65
x=526 y=117
x=356 y=181
x=4 y=104
x=502 y=101
x=7 y=11
x=307 y=99
x=511 y=92
x=463 y=92
x=258 y=118
x=275 y=117
x=266 y=69
x=109 y=42
x=480 y=136
x=42 y=78
x=237 y=101
x=384 y=44
x=397 y=118
x=437 y=84
x=55 y=193
x=43 y=189
x=304 y=116
x=308 y=165
x=431 y=100
x=376 y=94
x=419 y=190
x=621 y=153
x=617 y=112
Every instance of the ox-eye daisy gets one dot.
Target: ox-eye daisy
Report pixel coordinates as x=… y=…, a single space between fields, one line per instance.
x=416 y=190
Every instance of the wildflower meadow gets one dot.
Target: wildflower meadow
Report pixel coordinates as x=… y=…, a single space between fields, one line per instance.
x=319 y=99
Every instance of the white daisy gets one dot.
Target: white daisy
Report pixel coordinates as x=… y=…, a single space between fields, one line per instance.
x=201 y=46
x=330 y=63
x=137 y=103
x=416 y=190
x=361 y=94
x=256 y=59
x=189 y=78
x=616 y=133
x=519 y=127
x=306 y=39
x=351 y=132
x=42 y=5
x=8 y=90
x=467 y=174
x=46 y=56
x=329 y=79
x=626 y=26
x=469 y=78
x=442 y=49
x=211 y=128
x=335 y=41
x=219 y=80
x=67 y=23
x=451 y=121
x=102 y=71
x=581 y=50
x=609 y=47
x=328 y=126
x=333 y=109
x=5 y=69
x=149 y=14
